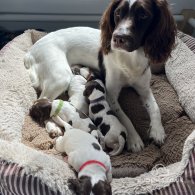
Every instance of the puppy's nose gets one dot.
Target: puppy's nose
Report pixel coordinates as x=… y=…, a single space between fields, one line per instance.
x=119 y=39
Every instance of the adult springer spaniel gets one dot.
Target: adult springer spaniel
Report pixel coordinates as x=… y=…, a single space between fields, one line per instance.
x=133 y=33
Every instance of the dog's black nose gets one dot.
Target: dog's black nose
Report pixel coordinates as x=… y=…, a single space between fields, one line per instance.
x=119 y=39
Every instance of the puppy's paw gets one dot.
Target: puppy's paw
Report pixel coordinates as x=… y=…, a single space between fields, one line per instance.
x=157 y=133
x=53 y=134
x=135 y=144
x=53 y=130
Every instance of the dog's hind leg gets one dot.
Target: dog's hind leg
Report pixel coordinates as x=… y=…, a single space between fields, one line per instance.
x=57 y=83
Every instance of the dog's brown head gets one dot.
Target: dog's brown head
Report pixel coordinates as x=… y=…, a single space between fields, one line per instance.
x=130 y=24
x=40 y=111
x=83 y=186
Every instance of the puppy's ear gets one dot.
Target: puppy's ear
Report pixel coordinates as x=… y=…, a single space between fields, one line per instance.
x=103 y=188
x=76 y=71
x=85 y=185
x=40 y=111
x=89 y=87
x=80 y=186
x=74 y=185
x=107 y=25
x=160 y=39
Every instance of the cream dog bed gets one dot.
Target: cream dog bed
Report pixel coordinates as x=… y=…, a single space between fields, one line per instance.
x=44 y=172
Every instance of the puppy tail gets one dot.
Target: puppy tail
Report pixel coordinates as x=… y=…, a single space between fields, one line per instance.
x=121 y=145
x=29 y=64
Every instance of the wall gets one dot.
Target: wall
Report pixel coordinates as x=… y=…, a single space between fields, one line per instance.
x=54 y=14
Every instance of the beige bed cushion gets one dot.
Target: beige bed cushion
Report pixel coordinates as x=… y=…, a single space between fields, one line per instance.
x=177 y=126
x=35 y=161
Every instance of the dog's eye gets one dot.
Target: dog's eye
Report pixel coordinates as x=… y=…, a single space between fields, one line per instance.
x=117 y=15
x=143 y=15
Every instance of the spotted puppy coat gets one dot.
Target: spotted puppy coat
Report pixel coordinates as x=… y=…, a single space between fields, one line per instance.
x=44 y=109
x=88 y=159
x=99 y=111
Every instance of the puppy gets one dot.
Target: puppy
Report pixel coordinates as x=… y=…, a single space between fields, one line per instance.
x=43 y=109
x=77 y=86
x=99 y=111
x=88 y=159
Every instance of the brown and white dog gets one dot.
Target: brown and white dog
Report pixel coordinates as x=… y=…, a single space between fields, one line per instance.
x=88 y=159
x=61 y=111
x=114 y=132
x=133 y=34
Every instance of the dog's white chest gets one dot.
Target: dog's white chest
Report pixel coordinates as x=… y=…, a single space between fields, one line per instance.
x=128 y=67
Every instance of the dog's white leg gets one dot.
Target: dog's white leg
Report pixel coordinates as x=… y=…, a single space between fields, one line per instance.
x=143 y=88
x=55 y=88
x=57 y=77
x=134 y=142
x=157 y=131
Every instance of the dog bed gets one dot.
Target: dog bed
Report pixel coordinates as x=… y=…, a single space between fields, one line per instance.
x=29 y=165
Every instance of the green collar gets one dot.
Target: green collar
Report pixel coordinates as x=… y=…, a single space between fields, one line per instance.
x=60 y=105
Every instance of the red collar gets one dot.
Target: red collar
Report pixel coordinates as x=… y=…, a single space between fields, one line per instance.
x=92 y=162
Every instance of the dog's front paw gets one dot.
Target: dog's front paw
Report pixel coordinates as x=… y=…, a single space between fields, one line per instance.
x=157 y=133
x=135 y=144
x=53 y=134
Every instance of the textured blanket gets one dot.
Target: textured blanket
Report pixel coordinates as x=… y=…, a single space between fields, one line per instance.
x=17 y=96
x=177 y=126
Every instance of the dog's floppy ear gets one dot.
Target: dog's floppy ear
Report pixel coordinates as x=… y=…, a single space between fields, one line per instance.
x=89 y=87
x=74 y=185
x=40 y=111
x=160 y=40
x=81 y=186
x=107 y=26
x=103 y=188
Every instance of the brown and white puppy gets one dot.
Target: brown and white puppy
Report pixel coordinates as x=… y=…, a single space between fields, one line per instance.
x=88 y=159
x=43 y=109
x=99 y=111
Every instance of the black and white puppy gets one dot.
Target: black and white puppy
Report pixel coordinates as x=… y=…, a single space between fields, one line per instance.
x=99 y=111
x=44 y=109
x=88 y=159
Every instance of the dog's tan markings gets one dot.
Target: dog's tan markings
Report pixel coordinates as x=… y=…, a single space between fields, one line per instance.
x=104 y=129
x=97 y=108
x=98 y=121
x=81 y=114
x=96 y=146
